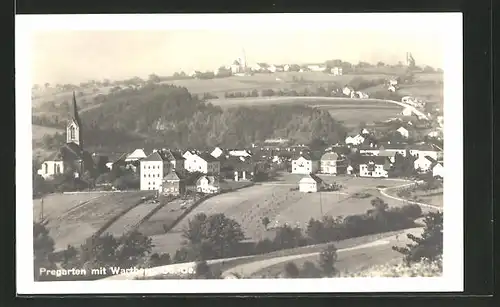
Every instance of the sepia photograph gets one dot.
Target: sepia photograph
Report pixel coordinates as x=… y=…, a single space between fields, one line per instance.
x=284 y=152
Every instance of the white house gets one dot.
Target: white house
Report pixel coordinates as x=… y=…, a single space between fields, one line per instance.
x=136 y=155
x=404 y=132
x=217 y=152
x=438 y=170
x=51 y=167
x=370 y=150
x=391 y=155
x=330 y=163
x=310 y=183
x=396 y=148
x=305 y=164
x=152 y=170
x=189 y=153
x=424 y=164
x=354 y=140
x=347 y=90
x=422 y=150
x=271 y=68
x=239 y=153
x=391 y=88
x=207 y=184
x=374 y=167
x=203 y=163
x=316 y=67
x=336 y=71
x=286 y=67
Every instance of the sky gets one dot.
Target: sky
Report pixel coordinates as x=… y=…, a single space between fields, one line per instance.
x=79 y=55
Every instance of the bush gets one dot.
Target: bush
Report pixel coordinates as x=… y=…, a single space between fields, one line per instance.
x=291 y=270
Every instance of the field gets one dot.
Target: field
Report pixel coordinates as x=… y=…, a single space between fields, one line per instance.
x=80 y=220
x=281 y=205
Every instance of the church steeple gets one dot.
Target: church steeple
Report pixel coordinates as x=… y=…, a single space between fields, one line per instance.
x=74 y=128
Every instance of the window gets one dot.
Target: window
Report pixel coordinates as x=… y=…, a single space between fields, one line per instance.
x=149 y=175
x=72 y=132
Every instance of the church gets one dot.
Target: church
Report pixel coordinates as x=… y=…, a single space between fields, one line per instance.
x=71 y=156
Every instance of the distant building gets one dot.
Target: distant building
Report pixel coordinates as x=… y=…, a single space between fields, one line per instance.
x=240 y=153
x=407 y=111
x=336 y=71
x=331 y=163
x=310 y=183
x=424 y=164
x=208 y=185
x=172 y=184
x=202 y=162
x=354 y=140
x=374 y=167
x=403 y=132
x=136 y=155
x=217 y=152
x=305 y=164
x=438 y=170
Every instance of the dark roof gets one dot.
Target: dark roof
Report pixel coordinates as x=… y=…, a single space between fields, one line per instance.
x=431 y=159
x=385 y=153
x=207 y=157
x=393 y=146
x=374 y=159
x=172 y=176
x=169 y=155
x=155 y=156
x=71 y=152
x=330 y=156
x=424 y=147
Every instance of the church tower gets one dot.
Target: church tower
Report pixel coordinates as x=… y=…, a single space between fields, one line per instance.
x=74 y=127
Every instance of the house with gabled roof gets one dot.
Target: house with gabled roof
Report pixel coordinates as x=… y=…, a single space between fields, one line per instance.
x=173 y=184
x=438 y=170
x=310 y=184
x=425 y=149
x=403 y=132
x=136 y=155
x=306 y=163
x=202 y=162
x=331 y=163
x=424 y=164
x=377 y=167
x=208 y=184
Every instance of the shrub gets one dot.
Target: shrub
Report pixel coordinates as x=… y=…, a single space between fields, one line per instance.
x=291 y=270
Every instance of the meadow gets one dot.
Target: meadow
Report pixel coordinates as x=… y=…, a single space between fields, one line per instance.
x=281 y=204
x=83 y=218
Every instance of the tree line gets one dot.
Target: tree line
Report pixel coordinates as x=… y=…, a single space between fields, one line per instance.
x=217 y=236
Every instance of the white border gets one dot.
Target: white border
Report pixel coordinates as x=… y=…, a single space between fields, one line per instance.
x=449 y=23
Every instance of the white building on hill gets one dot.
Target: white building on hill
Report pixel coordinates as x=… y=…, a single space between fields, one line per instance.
x=310 y=183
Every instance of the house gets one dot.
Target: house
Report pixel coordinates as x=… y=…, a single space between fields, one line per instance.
x=172 y=184
x=370 y=150
x=347 y=90
x=354 y=140
x=374 y=167
x=174 y=158
x=403 y=132
x=240 y=153
x=189 y=153
x=425 y=149
x=438 y=170
x=331 y=163
x=336 y=71
x=71 y=156
x=310 y=183
x=395 y=148
x=358 y=94
x=202 y=162
x=423 y=164
x=234 y=168
x=271 y=68
x=259 y=67
x=305 y=164
x=152 y=170
x=217 y=152
x=286 y=67
x=391 y=88
x=194 y=73
x=136 y=155
x=393 y=82
x=316 y=67
x=391 y=155
x=208 y=184
x=280 y=68
x=116 y=160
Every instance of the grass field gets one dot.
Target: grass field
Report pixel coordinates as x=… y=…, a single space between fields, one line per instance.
x=80 y=220
x=281 y=205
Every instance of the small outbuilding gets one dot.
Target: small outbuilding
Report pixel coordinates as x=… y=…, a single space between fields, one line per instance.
x=310 y=183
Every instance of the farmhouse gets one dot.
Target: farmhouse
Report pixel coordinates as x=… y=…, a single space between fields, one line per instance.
x=202 y=162
x=240 y=153
x=369 y=150
x=305 y=164
x=374 y=167
x=70 y=156
x=391 y=155
x=347 y=90
x=423 y=164
x=331 y=163
x=316 y=67
x=172 y=184
x=396 y=148
x=310 y=183
x=207 y=184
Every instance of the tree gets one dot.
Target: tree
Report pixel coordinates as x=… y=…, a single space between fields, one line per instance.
x=215 y=232
x=327 y=259
x=291 y=270
x=100 y=251
x=43 y=248
x=265 y=221
x=380 y=64
x=133 y=247
x=309 y=270
x=70 y=257
x=153 y=78
x=429 y=245
x=159 y=259
x=288 y=237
